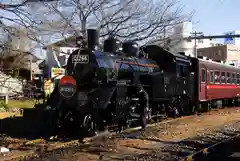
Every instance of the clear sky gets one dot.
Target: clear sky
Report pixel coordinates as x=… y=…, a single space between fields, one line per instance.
x=214 y=16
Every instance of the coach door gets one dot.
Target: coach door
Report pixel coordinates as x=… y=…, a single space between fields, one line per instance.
x=203 y=84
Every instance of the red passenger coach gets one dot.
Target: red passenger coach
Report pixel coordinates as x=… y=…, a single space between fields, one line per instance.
x=215 y=81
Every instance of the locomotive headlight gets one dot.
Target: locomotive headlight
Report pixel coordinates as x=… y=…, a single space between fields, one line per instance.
x=67 y=86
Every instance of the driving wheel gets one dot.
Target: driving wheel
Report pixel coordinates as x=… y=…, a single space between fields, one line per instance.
x=89 y=125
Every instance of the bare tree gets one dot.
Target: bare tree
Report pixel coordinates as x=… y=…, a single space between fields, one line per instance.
x=19 y=25
x=16 y=50
x=137 y=20
x=141 y=20
x=17 y=32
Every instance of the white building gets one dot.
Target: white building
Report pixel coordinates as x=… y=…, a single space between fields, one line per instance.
x=179 y=43
x=232 y=41
x=57 y=57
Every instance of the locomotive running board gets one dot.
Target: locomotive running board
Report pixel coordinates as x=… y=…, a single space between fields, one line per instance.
x=134 y=115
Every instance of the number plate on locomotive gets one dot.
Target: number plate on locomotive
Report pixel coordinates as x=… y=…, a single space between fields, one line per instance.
x=67 y=90
x=81 y=59
x=67 y=86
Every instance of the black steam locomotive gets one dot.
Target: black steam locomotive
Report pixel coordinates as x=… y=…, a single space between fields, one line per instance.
x=101 y=87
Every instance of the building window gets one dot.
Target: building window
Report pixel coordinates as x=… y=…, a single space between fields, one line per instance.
x=203 y=76
x=200 y=41
x=189 y=40
x=219 y=52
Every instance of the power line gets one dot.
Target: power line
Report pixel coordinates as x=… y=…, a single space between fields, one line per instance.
x=212 y=37
x=195 y=37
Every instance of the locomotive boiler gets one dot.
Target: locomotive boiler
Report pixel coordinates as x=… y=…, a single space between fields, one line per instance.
x=99 y=88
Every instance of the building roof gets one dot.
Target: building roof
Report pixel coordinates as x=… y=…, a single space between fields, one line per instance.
x=34 y=57
x=67 y=42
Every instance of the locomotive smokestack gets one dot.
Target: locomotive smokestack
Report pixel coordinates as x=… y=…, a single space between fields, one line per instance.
x=110 y=45
x=92 y=38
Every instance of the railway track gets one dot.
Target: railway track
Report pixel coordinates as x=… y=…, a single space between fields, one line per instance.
x=214 y=152
x=37 y=147
x=214 y=147
x=219 y=151
x=34 y=148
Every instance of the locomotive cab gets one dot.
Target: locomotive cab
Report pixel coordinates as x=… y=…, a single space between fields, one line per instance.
x=175 y=70
x=170 y=86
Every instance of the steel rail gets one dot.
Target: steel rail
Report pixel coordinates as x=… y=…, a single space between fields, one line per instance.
x=54 y=145
x=214 y=149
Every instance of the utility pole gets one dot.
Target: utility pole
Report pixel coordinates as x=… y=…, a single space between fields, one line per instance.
x=31 y=67
x=195 y=41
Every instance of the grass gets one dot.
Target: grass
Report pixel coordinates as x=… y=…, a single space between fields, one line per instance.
x=4 y=115
x=18 y=103
x=5 y=109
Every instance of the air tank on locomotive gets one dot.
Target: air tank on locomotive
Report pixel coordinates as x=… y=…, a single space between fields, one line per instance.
x=130 y=48
x=110 y=45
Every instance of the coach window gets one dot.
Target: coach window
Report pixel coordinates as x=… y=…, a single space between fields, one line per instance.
x=223 y=77
x=238 y=79
x=233 y=78
x=212 y=77
x=203 y=76
x=228 y=77
x=217 y=77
